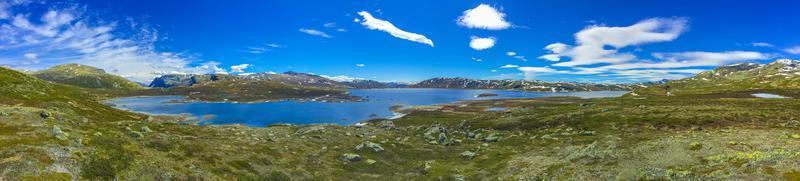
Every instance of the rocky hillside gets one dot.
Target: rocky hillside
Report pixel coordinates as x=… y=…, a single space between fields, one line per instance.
x=371 y=84
x=529 y=85
x=781 y=74
x=289 y=78
x=85 y=76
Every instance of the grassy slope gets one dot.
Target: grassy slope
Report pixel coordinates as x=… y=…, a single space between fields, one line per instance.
x=85 y=76
x=555 y=138
x=730 y=79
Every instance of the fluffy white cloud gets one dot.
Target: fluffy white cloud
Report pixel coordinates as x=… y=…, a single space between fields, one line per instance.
x=601 y=44
x=61 y=36
x=382 y=25
x=360 y=65
x=556 y=47
x=510 y=54
x=509 y=66
x=479 y=43
x=239 y=68
x=762 y=44
x=793 y=50
x=315 y=32
x=341 y=78
x=484 y=17
x=476 y=59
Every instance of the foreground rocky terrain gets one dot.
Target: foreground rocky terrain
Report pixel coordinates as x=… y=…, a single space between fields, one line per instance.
x=50 y=131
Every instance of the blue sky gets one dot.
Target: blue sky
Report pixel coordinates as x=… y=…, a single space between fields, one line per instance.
x=586 y=41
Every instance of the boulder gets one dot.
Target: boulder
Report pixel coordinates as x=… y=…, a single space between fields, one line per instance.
x=389 y=125
x=442 y=138
x=491 y=138
x=45 y=114
x=368 y=144
x=146 y=129
x=351 y=157
x=61 y=135
x=468 y=155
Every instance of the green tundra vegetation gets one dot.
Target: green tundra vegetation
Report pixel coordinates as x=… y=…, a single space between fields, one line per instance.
x=50 y=131
x=85 y=76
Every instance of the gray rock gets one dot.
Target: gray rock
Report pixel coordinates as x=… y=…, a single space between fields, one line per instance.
x=433 y=130
x=309 y=129
x=442 y=138
x=351 y=157
x=426 y=168
x=45 y=114
x=368 y=144
x=61 y=135
x=586 y=133
x=491 y=138
x=387 y=125
x=146 y=129
x=468 y=155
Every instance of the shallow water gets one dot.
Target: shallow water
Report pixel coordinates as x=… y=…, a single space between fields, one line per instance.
x=377 y=106
x=769 y=96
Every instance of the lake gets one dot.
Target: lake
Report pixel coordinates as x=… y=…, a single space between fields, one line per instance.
x=346 y=113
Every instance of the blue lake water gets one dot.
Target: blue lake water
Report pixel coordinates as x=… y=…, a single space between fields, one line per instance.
x=377 y=106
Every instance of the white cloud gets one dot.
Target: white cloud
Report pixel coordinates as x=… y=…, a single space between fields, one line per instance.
x=274 y=45
x=762 y=44
x=476 y=59
x=493 y=70
x=239 y=68
x=329 y=25
x=601 y=44
x=61 y=36
x=212 y=67
x=509 y=66
x=530 y=72
x=341 y=30
x=382 y=25
x=484 y=17
x=315 y=32
x=31 y=56
x=520 y=57
x=793 y=50
x=516 y=56
x=255 y=50
x=341 y=78
x=360 y=65
x=687 y=59
x=479 y=43
x=4 y=14
x=551 y=57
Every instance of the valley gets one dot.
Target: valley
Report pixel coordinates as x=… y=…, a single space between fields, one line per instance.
x=50 y=131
